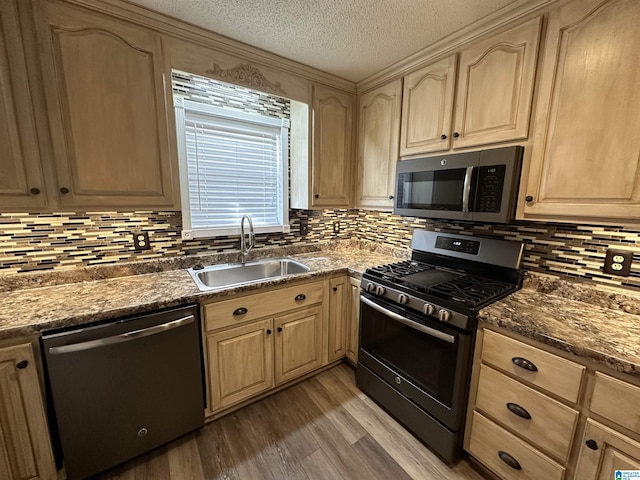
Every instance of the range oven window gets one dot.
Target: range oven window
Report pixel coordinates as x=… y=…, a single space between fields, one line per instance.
x=431 y=190
x=429 y=362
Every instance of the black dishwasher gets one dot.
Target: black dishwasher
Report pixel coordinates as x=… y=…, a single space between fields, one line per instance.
x=120 y=389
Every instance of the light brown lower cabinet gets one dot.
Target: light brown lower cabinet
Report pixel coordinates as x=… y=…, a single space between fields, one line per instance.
x=338 y=311
x=240 y=363
x=258 y=341
x=353 y=320
x=25 y=449
x=522 y=420
x=604 y=451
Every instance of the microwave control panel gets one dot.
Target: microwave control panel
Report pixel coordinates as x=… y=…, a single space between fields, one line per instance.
x=489 y=190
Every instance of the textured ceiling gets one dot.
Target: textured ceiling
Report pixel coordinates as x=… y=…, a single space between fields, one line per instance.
x=348 y=38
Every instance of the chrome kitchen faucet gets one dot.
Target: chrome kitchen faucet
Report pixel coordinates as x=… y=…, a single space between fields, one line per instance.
x=244 y=250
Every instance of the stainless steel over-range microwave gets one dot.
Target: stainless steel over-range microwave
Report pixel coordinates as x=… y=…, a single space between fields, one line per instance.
x=478 y=186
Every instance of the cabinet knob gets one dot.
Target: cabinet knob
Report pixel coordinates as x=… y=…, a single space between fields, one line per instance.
x=64 y=190
x=335 y=289
x=518 y=410
x=524 y=363
x=456 y=134
x=300 y=297
x=279 y=329
x=22 y=364
x=509 y=460
x=315 y=195
x=528 y=198
x=34 y=191
x=240 y=311
x=390 y=197
x=443 y=137
x=268 y=331
x=591 y=444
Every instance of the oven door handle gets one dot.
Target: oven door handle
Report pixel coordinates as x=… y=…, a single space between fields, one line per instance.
x=416 y=326
x=466 y=189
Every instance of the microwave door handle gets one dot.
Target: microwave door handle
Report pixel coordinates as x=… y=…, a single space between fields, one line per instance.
x=466 y=190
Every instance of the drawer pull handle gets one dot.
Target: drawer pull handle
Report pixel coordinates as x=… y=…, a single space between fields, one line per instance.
x=518 y=410
x=592 y=444
x=300 y=297
x=22 y=364
x=524 y=363
x=509 y=460
x=240 y=311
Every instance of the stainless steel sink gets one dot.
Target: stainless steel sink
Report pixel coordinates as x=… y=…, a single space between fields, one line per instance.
x=232 y=274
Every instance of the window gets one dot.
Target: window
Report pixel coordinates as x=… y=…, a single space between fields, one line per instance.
x=232 y=163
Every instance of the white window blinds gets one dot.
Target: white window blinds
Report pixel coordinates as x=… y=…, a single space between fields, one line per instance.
x=234 y=164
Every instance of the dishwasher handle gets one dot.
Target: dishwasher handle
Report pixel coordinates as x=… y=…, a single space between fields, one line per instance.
x=123 y=337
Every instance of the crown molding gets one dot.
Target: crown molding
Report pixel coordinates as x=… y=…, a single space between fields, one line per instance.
x=166 y=25
x=502 y=19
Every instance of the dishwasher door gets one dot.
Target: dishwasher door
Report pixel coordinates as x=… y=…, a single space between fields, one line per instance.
x=123 y=388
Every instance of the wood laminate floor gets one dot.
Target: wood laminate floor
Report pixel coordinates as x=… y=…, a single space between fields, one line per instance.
x=322 y=428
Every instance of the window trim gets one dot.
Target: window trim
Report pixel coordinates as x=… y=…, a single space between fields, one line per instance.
x=181 y=107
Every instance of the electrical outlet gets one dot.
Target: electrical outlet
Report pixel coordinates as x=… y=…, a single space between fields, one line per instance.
x=304 y=226
x=141 y=241
x=618 y=262
x=336 y=228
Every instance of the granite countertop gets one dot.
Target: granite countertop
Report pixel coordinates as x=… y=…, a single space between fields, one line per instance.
x=598 y=325
x=27 y=311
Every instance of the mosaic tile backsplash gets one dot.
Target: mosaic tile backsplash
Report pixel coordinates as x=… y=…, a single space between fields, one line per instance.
x=30 y=242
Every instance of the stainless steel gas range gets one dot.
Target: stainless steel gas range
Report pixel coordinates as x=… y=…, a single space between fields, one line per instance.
x=417 y=329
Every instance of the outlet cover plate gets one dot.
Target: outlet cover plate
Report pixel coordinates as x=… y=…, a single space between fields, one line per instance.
x=618 y=262
x=141 y=240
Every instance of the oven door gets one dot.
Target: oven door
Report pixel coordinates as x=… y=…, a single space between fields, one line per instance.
x=424 y=360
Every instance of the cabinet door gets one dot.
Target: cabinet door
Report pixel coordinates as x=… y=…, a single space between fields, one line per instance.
x=427 y=106
x=353 y=320
x=495 y=87
x=240 y=363
x=25 y=450
x=337 y=318
x=21 y=181
x=585 y=161
x=332 y=147
x=105 y=95
x=298 y=343
x=378 y=141
x=613 y=451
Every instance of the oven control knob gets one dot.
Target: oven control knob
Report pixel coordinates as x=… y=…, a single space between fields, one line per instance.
x=428 y=309
x=380 y=290
x=371 y=287
x=402 y=299
x=444 y=315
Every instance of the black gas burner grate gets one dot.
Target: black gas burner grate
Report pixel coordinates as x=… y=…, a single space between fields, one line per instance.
x=469 y=290
x=399 y=269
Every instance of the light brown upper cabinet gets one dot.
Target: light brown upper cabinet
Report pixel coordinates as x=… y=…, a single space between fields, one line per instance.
x=427 y=107
x=104 y=88
x=493 y=95
x=21 y=179
x=585 y=159
x=378 y=143
x=332 y=148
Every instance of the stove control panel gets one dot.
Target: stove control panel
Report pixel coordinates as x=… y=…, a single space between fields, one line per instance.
x=472 y=247
x=417 y=304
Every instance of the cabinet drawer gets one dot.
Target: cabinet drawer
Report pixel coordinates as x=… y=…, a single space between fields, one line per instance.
x=259 y=305
x=551 y=424
x=616 y=400
x=488 y=441
x=554 y=374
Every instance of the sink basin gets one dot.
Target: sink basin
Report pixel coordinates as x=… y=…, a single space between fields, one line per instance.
x=232 y=274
